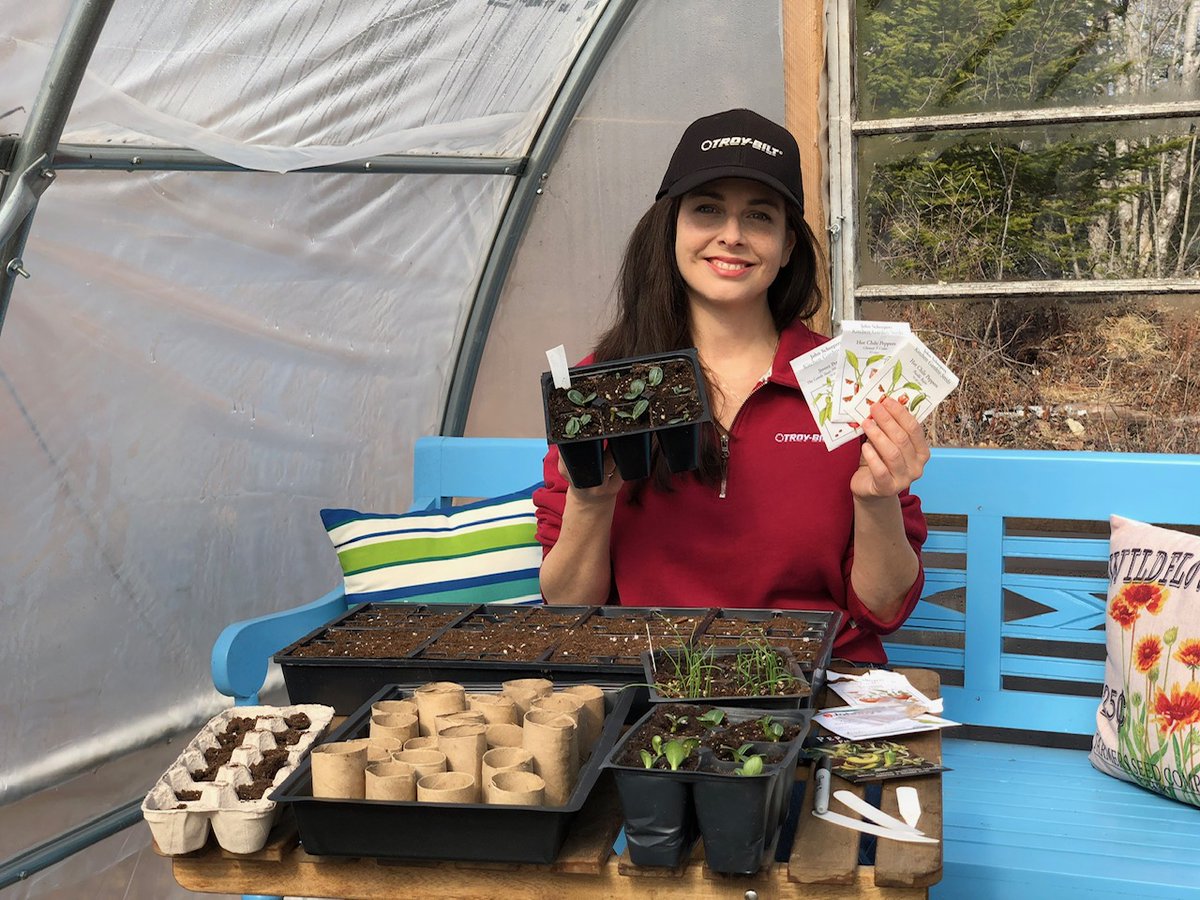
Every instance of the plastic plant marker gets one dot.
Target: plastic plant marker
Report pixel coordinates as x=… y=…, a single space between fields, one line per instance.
x=878 y=816
x=906 y=835
x=910 y=804
x=557 y=357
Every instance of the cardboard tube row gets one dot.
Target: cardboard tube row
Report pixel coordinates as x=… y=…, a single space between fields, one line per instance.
x=522 y=747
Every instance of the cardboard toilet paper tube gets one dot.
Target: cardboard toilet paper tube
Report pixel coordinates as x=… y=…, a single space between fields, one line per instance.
x=425 y=742
x=513 y=787
x=391 y=780
x=524 y=691
x=378 y=749
x=497 y=709
x=591 y=716
x=550 y=737
x=568 y=706
x=465 y=717
x=464 y=746
x=393 y=707
x=423 y=762
x=502 y=759
x=339 y=770
x=436 y=699
x=448 y=787
x=505 y=735
x=400 y=726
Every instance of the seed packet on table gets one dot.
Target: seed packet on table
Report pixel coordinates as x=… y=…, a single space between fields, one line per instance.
x=867 y=722
x=913 y=375
x=860 y=761
x=815 y=373
x=864 y=346
x=879 y=686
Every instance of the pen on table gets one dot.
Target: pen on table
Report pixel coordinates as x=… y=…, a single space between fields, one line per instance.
x=821 y=782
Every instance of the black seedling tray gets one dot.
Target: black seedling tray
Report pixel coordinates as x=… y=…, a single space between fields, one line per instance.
x=462 y=831
x=771 y=701
x=738 y=816
x=344 y=682
x=680 y=443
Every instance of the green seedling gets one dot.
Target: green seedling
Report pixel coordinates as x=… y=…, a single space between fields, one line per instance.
x=677 y=722
x=740 y=754
x=678 y=751
x=712 y=718
x=772 y=728
x=635 y=389
x=752 y=766
x=655 y=376
x=680 y=389
x=657 y=743
x=647 y=759
x=575 y=423
x=577 y=397
x=640 y=408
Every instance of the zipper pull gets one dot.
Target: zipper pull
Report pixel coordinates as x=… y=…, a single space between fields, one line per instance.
x=724 y=464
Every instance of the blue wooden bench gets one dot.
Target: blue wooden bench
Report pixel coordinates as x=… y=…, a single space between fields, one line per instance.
x=1013 y=620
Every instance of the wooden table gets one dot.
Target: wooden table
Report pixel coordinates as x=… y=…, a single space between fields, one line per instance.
x=823 y=863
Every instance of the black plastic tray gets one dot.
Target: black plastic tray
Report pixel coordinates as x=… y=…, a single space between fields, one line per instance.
x=773 y=701
x=344 y=683
x=462 y=831
x=738 y=817
x=680 y=443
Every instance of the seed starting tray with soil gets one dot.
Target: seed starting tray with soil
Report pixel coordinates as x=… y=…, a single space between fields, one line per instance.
x=462 y=831
x=373 y=645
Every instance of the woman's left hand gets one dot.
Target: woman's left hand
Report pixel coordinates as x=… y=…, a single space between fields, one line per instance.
x=894 y=453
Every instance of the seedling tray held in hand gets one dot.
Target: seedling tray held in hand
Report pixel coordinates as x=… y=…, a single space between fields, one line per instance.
x=463 y=831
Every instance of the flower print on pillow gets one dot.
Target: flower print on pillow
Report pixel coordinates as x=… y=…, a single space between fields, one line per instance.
x=1148 y=723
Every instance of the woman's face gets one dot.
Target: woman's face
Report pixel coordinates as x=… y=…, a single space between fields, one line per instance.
x=731 y=239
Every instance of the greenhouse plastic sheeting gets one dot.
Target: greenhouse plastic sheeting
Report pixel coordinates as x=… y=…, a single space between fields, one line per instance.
x=203 y=361
x=560 y=287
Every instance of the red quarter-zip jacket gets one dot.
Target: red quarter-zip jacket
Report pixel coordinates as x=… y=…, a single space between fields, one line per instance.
x=781 y=536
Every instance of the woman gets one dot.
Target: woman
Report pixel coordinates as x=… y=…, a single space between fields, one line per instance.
x=724 y=262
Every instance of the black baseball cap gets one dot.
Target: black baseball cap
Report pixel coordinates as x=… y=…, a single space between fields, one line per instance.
x=737 y=143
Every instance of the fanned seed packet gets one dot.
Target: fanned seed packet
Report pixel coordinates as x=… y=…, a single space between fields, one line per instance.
x=913 y=376
x=862 y=761
x=816 y=371
x=865 y=345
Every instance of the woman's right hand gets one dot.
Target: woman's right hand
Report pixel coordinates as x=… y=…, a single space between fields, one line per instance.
x=605 y=492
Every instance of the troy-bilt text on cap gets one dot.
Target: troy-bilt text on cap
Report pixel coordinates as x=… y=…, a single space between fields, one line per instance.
x=753 y=143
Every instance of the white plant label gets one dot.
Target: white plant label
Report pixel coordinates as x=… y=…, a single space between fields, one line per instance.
x=559 y=370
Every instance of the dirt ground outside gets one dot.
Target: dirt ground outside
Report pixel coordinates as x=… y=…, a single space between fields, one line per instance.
x=1058 y=374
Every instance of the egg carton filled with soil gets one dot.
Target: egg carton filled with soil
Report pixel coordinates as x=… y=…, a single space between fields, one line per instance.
x=224 y=777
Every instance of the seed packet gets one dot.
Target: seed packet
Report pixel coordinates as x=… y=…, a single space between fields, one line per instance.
x=860 y=761
x=815 y=373
x=868 y=722
x=913 y=375
x=880 y=686
x=865 y=345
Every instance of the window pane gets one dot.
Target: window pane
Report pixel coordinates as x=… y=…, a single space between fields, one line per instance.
x=1046 y=373
x=926 y=57
x=1076 y=202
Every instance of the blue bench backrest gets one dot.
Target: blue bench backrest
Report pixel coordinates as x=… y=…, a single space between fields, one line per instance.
x=1013 y=610
x=1029 y=645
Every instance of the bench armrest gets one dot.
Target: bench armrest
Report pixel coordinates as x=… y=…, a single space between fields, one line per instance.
x=241 y=653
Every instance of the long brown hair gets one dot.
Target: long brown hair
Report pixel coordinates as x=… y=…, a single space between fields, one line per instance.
x=652 y=306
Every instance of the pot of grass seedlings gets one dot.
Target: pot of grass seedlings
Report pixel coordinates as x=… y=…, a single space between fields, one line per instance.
x=753 y=674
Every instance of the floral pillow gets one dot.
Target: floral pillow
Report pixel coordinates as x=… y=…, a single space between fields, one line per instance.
x=1148 y=723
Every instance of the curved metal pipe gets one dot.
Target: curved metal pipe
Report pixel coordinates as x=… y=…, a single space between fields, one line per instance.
x=60 y=84
x=520 y=206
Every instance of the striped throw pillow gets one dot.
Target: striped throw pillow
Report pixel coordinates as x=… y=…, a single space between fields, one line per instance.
x=484 y=552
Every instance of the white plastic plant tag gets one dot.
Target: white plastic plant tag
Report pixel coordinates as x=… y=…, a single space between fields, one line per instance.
x=913 y=376
x=864 y=346
x=815 y=371
x=559 y=370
